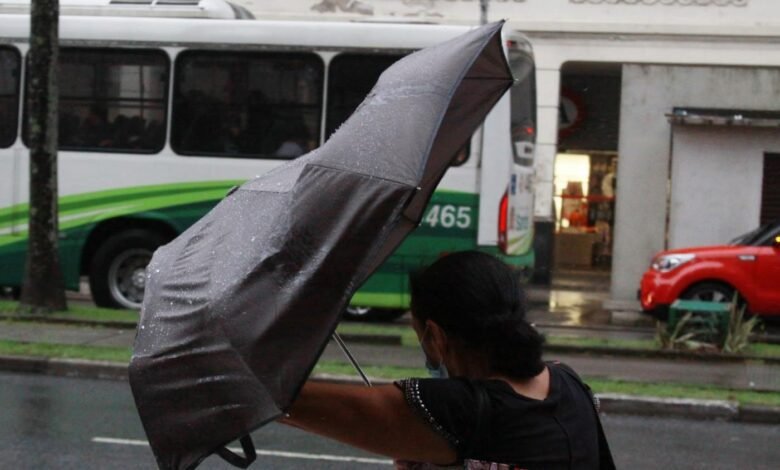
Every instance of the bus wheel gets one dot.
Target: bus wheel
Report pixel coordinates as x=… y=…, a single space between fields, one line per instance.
x=356 y=313
x=13 y=292
x=117 y=275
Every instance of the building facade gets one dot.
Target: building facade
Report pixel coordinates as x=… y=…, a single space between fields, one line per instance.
x=657 y=119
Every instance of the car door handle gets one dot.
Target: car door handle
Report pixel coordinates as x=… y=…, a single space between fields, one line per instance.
x=747 y=257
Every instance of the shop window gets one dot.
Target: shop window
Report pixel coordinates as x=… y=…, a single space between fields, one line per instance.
x=585 y=205
x=247 y=104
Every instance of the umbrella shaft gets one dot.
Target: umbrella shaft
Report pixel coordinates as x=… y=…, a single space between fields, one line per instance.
x=351 y=358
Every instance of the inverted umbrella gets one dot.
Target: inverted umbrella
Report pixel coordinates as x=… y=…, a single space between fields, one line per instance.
x=239 y=307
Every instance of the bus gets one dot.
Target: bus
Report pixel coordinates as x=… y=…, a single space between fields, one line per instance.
x=160 y=117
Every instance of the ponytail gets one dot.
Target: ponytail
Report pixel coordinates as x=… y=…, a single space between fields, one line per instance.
x=477 y=299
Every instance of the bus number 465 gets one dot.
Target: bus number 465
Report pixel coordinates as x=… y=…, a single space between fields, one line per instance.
x=448 y=216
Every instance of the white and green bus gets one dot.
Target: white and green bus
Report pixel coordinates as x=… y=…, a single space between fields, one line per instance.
x=159 y=117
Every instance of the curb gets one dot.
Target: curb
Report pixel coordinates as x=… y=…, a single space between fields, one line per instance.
x=119 y=325
x=395 y=340
x=377 y=339
x=75 y=368
x=672 y=407
x=391 y=340
x=656 y=354
x=610 y=402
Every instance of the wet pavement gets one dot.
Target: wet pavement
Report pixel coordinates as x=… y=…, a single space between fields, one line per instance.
x=54 y=422
x=575 y=298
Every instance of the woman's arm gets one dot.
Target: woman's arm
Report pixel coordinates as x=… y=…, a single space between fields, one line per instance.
x=376 y=419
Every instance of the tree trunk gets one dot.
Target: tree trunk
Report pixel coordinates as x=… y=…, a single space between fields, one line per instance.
x=43 y=287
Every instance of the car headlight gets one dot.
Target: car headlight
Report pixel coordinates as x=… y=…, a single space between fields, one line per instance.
x=669 y=262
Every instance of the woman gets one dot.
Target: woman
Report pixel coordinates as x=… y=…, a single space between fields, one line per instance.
x=492 y=398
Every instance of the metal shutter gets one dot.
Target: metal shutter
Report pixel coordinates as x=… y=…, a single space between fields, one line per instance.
x=770 y=188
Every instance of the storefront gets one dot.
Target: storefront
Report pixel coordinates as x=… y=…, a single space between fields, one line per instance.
x=585 y=170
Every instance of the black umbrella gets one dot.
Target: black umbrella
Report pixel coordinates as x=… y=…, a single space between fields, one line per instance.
x=238 y=308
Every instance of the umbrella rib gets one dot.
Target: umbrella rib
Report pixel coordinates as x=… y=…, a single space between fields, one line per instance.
x=351 y=358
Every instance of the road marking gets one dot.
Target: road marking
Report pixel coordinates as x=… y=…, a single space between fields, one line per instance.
x=267 y=453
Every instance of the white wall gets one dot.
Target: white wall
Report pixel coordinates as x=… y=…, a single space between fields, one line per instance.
x=685 y=16
x=648 y=93
x=708 y=205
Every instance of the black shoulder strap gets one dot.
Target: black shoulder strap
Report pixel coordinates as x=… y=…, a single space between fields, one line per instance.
x=605 y=455
x=483 y=419
x=236 y=460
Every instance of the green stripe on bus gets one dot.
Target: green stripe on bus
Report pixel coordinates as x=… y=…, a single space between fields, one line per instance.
x=181 y=204
x=381 y=300
x=178 y=193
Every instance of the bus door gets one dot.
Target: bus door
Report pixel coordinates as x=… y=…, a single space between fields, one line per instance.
x=10 y=147
x=495 y=169
x=506 y=190
x=506 y=187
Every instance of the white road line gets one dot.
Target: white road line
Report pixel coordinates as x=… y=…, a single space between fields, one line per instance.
x=267 y=453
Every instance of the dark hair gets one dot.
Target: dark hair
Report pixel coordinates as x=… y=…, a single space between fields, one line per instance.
x=477 y=299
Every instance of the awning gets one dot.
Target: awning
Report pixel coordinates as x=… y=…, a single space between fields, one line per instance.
x=723 y=117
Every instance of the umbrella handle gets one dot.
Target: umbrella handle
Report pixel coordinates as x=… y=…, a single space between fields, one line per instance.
x=351 y=358
x=236 y=460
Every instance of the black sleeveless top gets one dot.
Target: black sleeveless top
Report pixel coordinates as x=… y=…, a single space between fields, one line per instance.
x=559 y=432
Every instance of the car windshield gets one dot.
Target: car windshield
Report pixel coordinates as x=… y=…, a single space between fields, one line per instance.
x=755 y=236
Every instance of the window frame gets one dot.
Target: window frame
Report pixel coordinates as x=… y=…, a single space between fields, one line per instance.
x=346 y=55
x=150 y=51
x=18 y=120
x=175 y=89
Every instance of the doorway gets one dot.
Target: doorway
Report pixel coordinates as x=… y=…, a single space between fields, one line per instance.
x=585 y=173
x=770 y=190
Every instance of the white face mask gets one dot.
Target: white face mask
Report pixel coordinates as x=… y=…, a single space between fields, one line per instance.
x=439 y=372
x=436 y=372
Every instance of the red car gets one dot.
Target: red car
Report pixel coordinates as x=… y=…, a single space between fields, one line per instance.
x=749 y=266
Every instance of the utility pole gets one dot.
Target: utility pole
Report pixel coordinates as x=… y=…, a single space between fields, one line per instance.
x=43 y=287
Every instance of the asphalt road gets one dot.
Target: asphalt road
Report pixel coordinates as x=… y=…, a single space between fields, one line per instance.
x=49 y=422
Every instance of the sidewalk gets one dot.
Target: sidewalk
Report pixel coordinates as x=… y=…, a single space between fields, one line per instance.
x=738 y=375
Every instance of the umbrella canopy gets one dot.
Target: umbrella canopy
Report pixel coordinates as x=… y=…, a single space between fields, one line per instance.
x=238 y=308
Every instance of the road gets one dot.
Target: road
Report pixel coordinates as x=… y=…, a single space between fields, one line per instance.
x=49 y=422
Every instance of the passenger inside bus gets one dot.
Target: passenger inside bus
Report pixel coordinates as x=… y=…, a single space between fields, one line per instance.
x=95 y=130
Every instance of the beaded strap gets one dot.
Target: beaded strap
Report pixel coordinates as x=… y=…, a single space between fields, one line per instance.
x=411 y=389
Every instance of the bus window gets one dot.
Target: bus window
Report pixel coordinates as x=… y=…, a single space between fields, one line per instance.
x=247 y=104
x=9 y=95
x=112 y=100
x=523 y=107
x=350 y=78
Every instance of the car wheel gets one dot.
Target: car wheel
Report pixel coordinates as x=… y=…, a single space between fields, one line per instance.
x=357 y=313
x=117 y=275
x=710 y=292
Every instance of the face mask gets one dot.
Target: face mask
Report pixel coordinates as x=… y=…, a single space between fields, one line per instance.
x=439 y=372
x=436 y=372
